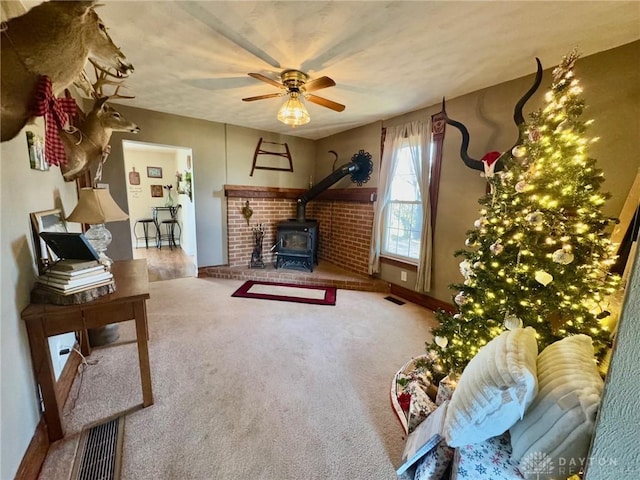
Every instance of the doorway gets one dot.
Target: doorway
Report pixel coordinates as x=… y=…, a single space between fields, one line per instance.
x=159 y=177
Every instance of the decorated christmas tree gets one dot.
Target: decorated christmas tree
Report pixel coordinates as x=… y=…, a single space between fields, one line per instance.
x=539 y=255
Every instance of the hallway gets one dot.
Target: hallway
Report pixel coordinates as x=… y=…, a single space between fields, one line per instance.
x=166 y=264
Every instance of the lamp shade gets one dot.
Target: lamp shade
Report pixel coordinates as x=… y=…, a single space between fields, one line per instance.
x=95 y=206
x=293 y=112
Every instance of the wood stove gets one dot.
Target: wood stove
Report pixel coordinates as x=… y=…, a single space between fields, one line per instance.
x=297 y=240
x=297 y=243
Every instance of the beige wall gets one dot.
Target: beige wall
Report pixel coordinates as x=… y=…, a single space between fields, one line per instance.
x=22 y=191
x=241 y=146
x=187 y=212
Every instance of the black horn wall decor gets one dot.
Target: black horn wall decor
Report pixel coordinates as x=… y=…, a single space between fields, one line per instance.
x=518 y=118
x=360 y=168
x=333 y=166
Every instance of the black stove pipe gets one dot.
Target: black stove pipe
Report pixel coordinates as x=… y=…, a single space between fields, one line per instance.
x=323 y=185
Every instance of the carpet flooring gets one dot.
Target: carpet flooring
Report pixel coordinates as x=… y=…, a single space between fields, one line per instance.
x=287 y=292
x=251 y=390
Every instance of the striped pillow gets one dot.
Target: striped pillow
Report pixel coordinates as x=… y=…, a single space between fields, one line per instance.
x=556 y=431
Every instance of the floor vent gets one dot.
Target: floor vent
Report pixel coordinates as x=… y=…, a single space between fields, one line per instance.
x=395 y=300
x=100 y=451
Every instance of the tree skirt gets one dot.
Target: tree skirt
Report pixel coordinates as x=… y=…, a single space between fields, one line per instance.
x=410 y=394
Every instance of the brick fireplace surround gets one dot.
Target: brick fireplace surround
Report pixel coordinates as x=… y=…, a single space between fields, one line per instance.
x=345 y=218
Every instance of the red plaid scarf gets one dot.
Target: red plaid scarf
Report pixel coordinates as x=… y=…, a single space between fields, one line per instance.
x=56 y=113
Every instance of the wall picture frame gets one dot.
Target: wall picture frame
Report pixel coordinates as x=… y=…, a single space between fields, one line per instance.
x=35 y=146
x=156 y=191
x=154 y=172
x=46 y=221
x=134 y=177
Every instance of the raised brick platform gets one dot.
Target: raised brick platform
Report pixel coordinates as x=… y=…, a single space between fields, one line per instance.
x=324 y=273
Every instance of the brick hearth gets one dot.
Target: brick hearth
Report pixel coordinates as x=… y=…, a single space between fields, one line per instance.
x=345 y=218
x=325 y=274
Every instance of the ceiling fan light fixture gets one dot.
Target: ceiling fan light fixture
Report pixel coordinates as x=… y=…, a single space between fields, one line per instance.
x=293 y=112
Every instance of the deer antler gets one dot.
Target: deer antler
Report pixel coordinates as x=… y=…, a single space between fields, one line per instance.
x=95 y=90
x=117 y=74
x=83 y=83
x=102 y=79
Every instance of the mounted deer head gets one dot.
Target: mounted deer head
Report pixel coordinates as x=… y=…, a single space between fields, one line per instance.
x=89 y=144
x=518 y=118
x=53 y=39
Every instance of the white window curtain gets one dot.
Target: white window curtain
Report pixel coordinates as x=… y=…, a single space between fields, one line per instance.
x=416 y=135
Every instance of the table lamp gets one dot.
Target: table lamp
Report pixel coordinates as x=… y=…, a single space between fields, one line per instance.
x=96 y=207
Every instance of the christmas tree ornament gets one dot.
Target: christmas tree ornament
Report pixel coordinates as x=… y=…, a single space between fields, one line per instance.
x=535 y=218
x=521 y=186
x=534 y=134
x=511 y=322
x=470 y=243
x=543 y=277
x=562 y=126
x=519 y=151
x=496 y=248
x=461 y=299
x=465 y=269
x=442 y=342
x=479 y=223
x=562 y=257
x=477 y=265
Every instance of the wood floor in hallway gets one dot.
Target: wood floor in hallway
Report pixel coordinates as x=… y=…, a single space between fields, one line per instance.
x=166 y=264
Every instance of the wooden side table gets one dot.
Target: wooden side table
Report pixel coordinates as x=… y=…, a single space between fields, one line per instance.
x=45 y=320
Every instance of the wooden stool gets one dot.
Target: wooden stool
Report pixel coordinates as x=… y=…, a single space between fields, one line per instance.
x=145 y=228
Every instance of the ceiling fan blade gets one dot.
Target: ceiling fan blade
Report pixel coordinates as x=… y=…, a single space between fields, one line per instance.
x=270 y=81
x=325 y=103
x=262 y=97
x=318 y=83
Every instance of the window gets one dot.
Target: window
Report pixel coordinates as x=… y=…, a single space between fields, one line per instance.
x=402 y=228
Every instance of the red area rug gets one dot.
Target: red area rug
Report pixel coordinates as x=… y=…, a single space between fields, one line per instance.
x=287 y=292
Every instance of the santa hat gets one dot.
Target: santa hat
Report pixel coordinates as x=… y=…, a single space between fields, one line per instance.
x=489 y=162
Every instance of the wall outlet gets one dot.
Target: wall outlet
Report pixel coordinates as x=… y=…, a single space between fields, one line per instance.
x=403 y=276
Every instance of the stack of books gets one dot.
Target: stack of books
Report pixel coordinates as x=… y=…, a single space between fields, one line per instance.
x=67 y=277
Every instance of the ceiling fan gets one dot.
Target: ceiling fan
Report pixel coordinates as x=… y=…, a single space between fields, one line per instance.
x=296 y=84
